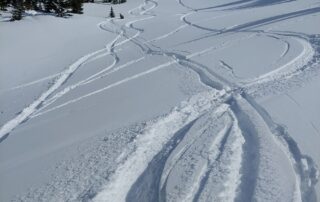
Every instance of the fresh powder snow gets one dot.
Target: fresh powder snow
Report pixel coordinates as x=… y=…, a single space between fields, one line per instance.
x=185 y=100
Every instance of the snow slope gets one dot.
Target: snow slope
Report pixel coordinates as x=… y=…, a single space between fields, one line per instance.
x=166 y=105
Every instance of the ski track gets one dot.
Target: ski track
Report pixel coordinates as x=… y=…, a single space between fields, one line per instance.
x=154 y=69
x=230 y=151
x=30 y=83
x=292 y=66
x=104 y=72
x=199 y=181
x=61 y=79
x=26 y=112
x=162 y=131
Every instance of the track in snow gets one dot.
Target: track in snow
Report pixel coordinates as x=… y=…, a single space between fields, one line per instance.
x=217 y=146
x=243 y=158
x=232 y=153
x=44 y=100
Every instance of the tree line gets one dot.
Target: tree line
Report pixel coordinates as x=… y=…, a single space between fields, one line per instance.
x=60 y=8
x=115 y=1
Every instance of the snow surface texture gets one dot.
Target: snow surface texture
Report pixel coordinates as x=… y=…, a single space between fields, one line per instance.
x=169 y=109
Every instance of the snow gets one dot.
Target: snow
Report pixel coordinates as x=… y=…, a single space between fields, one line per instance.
x=162 y=130
x=181 y=101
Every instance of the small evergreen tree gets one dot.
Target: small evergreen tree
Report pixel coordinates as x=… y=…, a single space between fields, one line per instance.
x=41 y=5
x=17 y=10
x=112 y=15
x=3 y=5
x=76 y=6
x=16 y=14
x=35 y=5
x=59 y=8
x=27 y=4
x=48 y=6
x=121 y=16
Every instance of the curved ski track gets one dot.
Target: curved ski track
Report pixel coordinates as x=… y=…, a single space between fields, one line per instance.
x=217 y=146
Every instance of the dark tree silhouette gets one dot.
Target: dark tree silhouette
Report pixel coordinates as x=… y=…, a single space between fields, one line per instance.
x=58 y=7
x=76 y=6
x=17 y=13
x=27 y=4
x=3 y=5
x=112 y=15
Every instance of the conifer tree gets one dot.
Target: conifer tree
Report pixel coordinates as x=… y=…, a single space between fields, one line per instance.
x=3 y=4
x=17 y=10
x=121 y=16
x=112 y=15
x=27 y=4
x=76 y=6
x=16 y=14
x=35 y=5
x=48 y=6
x=59 y=8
